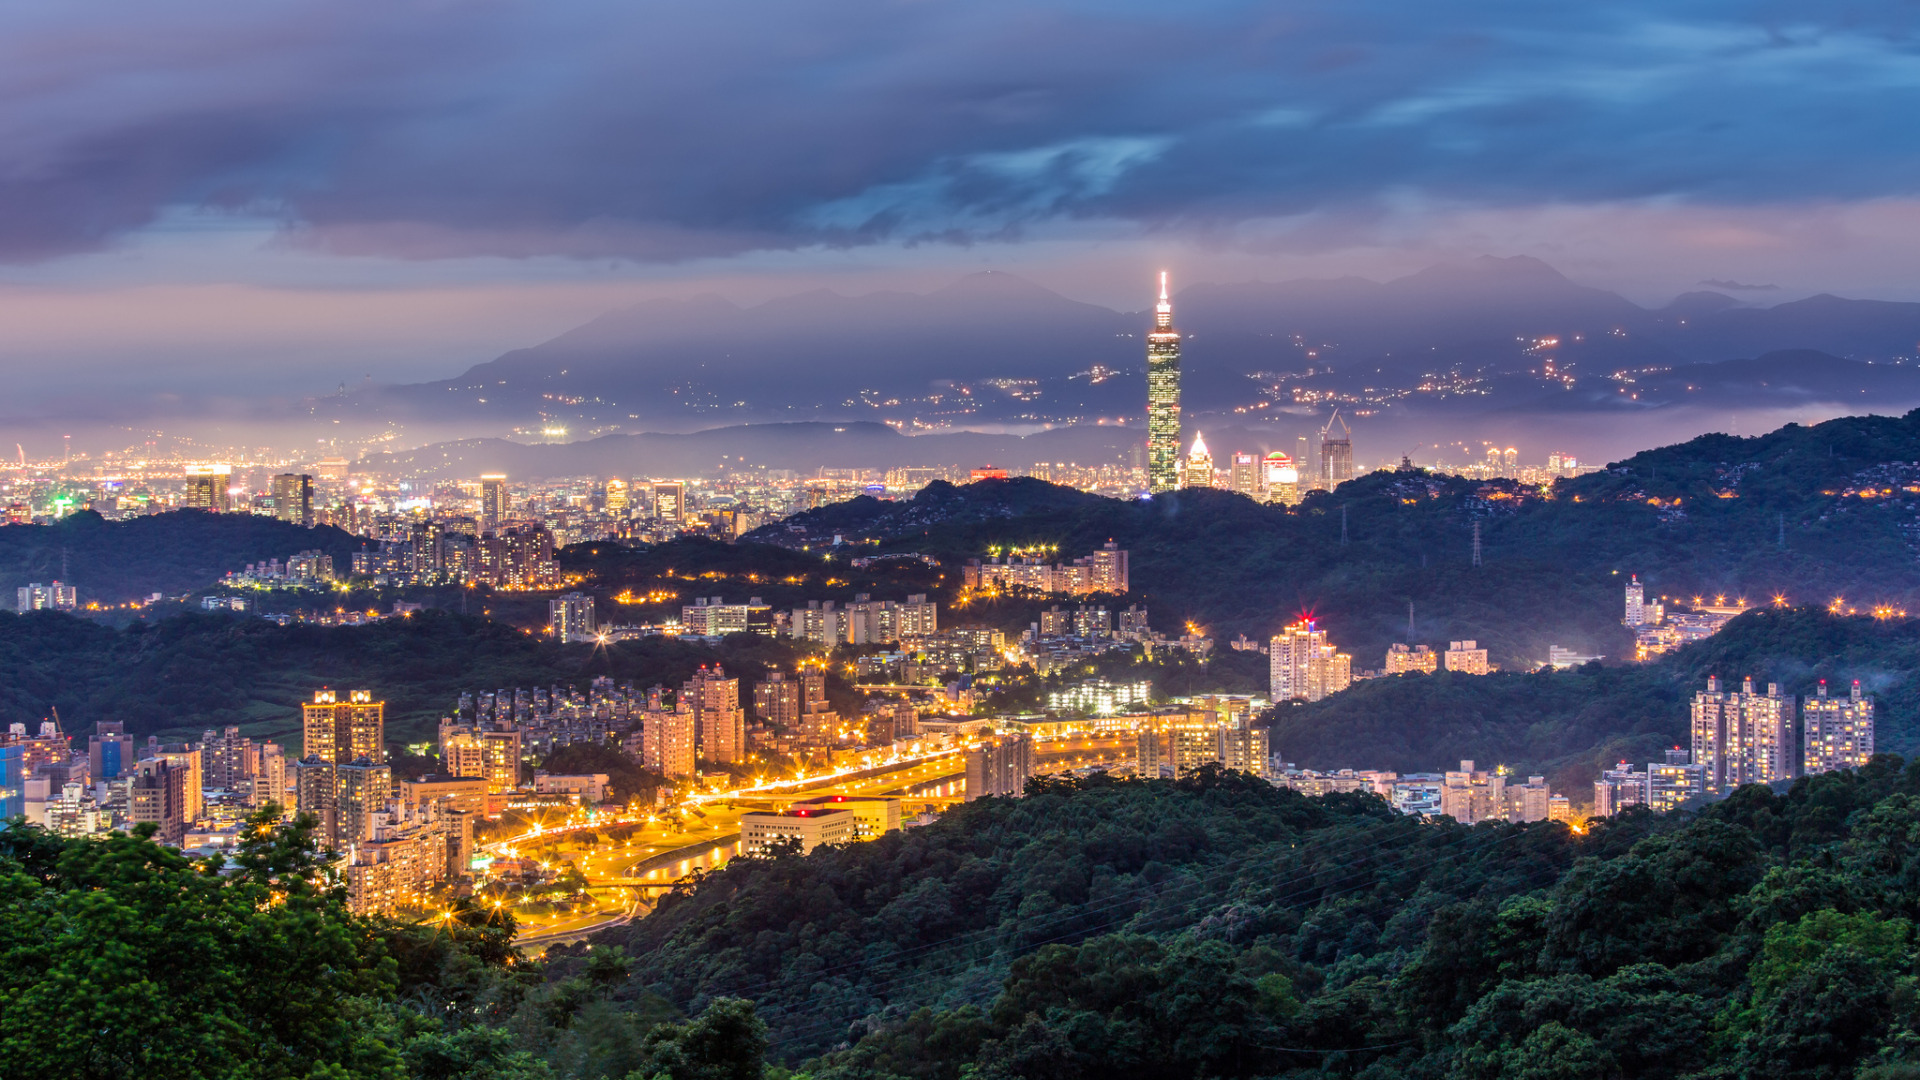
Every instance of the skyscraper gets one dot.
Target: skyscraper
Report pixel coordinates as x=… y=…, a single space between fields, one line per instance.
x=1839 y=731
x=1198 y=469
x=207 y=488
x=493 y=501
x=1282 y=479
x=1000 y=765
x=715 y=700
x=1163 y=397
x=293 y=498
x=1636 y=603
x=1245 y=475
x=1336 y=453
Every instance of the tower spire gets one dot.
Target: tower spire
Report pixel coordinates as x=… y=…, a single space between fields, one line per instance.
x=1163 y=311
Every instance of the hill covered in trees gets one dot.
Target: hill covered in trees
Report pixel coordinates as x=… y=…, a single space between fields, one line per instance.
x=1208 y=927
x=1811 y=513
x=181 y=551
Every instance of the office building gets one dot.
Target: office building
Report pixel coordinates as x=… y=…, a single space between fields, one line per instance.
x=1243 y=475
x=670 y=502
x=1838 y=731
x=1743 y=737
x=1163 y=397
x=493 y=502
x=293 y=498
x=1303 y=666
x=1281 y=479
x=342 y=731
x=1467 y=658
x=1336 y=453
x=1197 y=470
x=721 y=722
x=874 y=815
x=570 y=617
x=207 y=488
x=54 y=597
x=1000 y=765
x=110 y=753
x=808 y=825
x=1402 y=660
x=617 y=498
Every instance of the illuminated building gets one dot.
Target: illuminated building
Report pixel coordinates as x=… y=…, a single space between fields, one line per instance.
x=1336 y=453
x=158 y=796
x=722 y=723
x=361 y=790
x=1839 y=731
x=1531 y=801
x=1402 y=660
x=186 y=759
x=1109 y=569
x=207 y=488
x=518 y=559
x=1303 y=666
x=407 y=850
x=874 y=816
x=1099 y=697
x=1000 y=765
x=493 y=502
x=670 y=501
x=712 y=616
x=110 y=752
x=13 y=781
x=267 y=782
x=1561 y=658
x=1468 y=795
x=1743 y=737
x=617 y=499
x=1243 y=475
x=1467 y=658
x=338 y=731
x=226 y=761
x=1282 y=479
x=54 y=597
x=490 y=753
x=667 y=736
x=812 y=826
x=1636 y=603
x=293 y=498
x=570 y=617
x=1163 y=397
x=1675 y=780
x=1198 y=468
x=776 y=700
x=1617 y=789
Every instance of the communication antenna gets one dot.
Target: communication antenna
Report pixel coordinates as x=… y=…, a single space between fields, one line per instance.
x=1409 y=621
x=1476 y=543
x=1783 y=532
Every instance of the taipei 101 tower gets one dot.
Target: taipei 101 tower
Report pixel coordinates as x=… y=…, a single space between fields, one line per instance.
x=1163 y=397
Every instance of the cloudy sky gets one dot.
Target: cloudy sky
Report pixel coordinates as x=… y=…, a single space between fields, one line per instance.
x=280 y=196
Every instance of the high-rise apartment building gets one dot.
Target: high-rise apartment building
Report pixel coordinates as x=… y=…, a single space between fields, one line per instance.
x=344 y=731
x=1636 y=603
x=361 y=789
x=1000 y=765
x=491 y=753
x=1336 y=453
x=158 y=795
x=493 y=502
x=1163 y=397
x=570 y=617
x=268 y=780
x=1838 y=731
x=313 y=783
x=776 y=700
x=226 y=761
x=1303 y=666
x=1109 y=566
x=110 y=753
x=206 y=488
x=1743 y=737
x=519 y=558
x=667 y=736
x=186 y=759
x=293 y=498
x=1401 y=659
x=54 y=597
x=1467 y=658
x=715 y=700
x=1617 y=789
x=1468 y=795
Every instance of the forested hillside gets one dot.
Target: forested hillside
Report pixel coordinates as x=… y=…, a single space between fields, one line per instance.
x=1810 y=513
x=178 y=552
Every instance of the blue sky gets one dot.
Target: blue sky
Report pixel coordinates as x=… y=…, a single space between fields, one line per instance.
x=256 y=192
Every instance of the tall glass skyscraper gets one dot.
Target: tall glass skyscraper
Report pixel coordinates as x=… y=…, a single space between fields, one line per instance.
x=1163 y=397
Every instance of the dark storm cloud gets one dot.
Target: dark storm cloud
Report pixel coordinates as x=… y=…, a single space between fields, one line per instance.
x=662 y=131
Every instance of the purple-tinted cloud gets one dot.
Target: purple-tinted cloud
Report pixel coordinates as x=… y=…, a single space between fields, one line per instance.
x=600 y=129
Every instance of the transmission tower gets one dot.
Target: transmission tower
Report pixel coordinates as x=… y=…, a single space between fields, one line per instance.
x=1343 y=524
x=1476 y=543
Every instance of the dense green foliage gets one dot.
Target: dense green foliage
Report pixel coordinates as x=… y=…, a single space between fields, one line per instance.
x=178 y=552
x=194 y=672
x=1220 y=928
